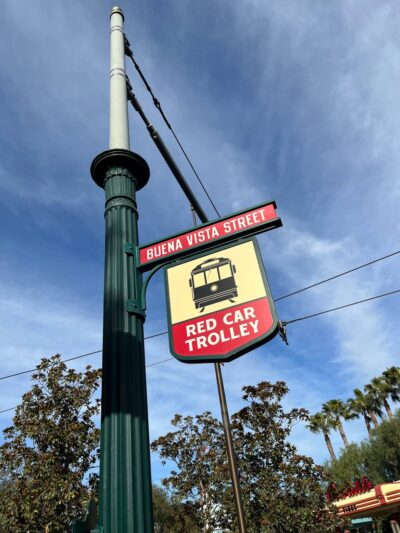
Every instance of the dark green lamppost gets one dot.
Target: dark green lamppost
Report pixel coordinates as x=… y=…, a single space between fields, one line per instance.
x=125 y=482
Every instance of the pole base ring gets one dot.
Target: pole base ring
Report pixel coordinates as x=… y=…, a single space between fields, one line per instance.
x=118 y=157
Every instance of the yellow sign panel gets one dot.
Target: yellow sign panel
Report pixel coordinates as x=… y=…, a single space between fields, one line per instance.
x=219 y=304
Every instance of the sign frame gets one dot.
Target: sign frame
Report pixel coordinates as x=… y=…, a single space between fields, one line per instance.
x=250 y=231
x=245 y=348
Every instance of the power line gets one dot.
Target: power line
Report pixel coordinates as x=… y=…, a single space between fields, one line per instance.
x=84 y=355
x=136 y=105
x=9 y=409
x=162 y=360
x=147 y=366
x=157 y=104
x=285 y=323
x=275 y=300
x=156 y=335
x=63 y=361
x=337 y=276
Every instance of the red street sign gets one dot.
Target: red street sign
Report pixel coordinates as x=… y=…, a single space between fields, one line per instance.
x=219 y=304
x=248 y=222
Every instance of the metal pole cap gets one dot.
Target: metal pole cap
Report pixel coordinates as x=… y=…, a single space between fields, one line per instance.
x=115 y=10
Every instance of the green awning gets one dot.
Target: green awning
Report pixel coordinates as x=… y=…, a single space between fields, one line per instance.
x=358 y=523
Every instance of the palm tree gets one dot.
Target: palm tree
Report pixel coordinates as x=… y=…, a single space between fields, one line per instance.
x=365 y=405
x=374 y=403
x=319 y=423
x=335 y=410
x=380 y=390
x=391 y=376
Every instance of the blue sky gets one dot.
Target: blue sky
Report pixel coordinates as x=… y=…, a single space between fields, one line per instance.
x=284 y=100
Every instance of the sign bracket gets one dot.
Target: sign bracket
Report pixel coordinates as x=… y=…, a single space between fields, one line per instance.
x=135 y=307
x=282 y=332
x=138 y=306
x=129 y=248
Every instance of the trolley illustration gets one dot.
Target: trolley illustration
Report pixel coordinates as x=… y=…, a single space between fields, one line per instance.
x=213 y=281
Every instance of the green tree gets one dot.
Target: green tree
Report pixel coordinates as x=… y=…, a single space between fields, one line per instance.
x=335 y=410
x=282 y=490
x=321 y=423
x=378 y=457
x=197 y=449
x=384 y=449
x=49 y=449
x=351 y=464
x=171 y=515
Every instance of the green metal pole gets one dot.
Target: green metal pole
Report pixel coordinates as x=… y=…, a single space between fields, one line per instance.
x=125 y=503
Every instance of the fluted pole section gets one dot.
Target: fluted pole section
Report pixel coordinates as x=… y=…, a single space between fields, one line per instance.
x=125 y=505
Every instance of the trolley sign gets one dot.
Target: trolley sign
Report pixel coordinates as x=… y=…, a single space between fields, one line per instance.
x=219 y=304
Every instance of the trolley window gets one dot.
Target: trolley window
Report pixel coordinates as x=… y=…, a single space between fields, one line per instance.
x=212 y=275
x=225 y=271
x=199 y=279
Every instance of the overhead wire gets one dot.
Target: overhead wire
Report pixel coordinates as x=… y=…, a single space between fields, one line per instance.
x=86 y=355
x=9 y=409
x=33 y=369
x=79 y=357
x=337 y=276
x=285 y=323
x=70 y=359
x=157 y=104
x=275 y=300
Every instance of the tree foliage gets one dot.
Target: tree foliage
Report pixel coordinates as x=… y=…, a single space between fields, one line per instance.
x=197 y=449
x=377 y=458
x=282 y=489
x=171 y=515
x=48 y=450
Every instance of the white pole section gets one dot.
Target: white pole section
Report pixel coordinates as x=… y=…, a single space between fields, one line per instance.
x=119 y=127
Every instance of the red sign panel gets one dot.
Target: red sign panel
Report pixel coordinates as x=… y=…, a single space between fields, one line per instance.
x=219 y=304
x=249 y=222
x=226 y=329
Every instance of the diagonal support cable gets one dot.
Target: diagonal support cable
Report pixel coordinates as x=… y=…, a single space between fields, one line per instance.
x=156 y=101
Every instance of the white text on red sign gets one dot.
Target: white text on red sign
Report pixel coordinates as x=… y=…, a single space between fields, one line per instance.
x=227 y=329
x=215 y=231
